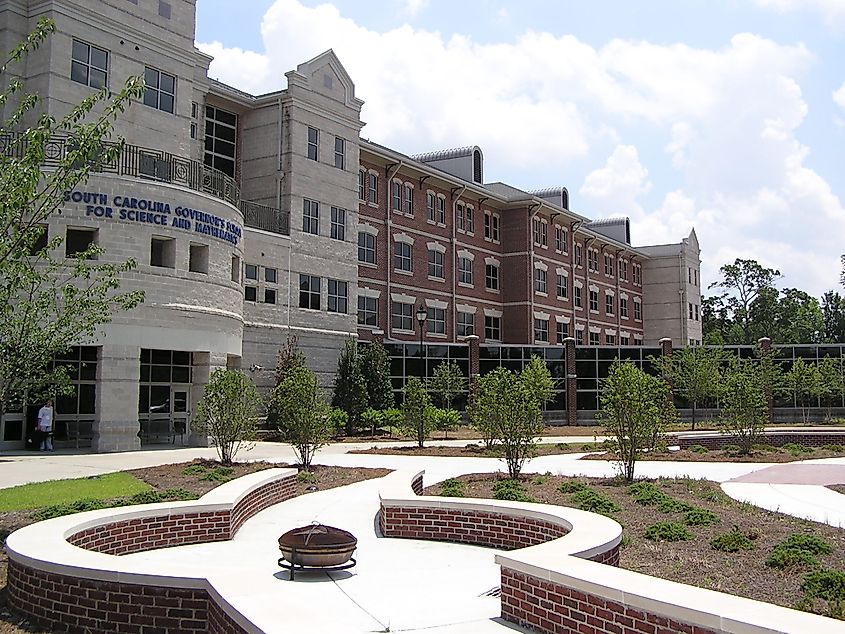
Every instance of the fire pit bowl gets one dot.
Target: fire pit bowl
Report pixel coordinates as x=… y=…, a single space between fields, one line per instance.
x=317 y=547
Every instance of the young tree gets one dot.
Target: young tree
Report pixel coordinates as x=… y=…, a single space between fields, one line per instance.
x=288 y=358
x=304 y=417
x=538 y=380
x=418 y=421
x=227 y=413
x=447 y=382
x=375 y=366
x=350 y=388
x=744 y=407
x=803 y=383
x=49 y=303
x=831 y=385
x=693 y=373
x=633 y=408
x=478 y=414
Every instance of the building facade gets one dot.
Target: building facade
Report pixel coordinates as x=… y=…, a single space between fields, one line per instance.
x=253 y=218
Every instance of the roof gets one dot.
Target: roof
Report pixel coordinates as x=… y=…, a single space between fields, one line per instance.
x=605 y=222
x=548 y=191
x=440 y=155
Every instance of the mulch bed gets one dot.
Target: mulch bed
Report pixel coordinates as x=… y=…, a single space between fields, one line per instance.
x=473 y=450
x=839 y=488
x=172 y=477
x=692 y=562
x=773 y=455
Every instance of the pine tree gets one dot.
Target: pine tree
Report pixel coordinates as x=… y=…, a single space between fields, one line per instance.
x=375 y=366
x=350 y=388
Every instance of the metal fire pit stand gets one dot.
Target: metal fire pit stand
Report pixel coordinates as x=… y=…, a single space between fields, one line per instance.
x=292 y=567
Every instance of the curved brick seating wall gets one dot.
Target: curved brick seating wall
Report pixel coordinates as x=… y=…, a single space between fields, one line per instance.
x=56 y=590
x=777 y=439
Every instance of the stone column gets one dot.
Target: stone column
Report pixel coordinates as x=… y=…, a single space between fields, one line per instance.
x=765 y=345
x=571 y=382
x=116 y=423
x=204 y=364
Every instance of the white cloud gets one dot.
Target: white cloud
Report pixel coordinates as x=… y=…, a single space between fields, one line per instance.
x=726 y=119
x=832 y=11
x=412 y=8
x=839 y=96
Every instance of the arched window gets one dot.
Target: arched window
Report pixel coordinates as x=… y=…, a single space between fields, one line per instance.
x=476 y=166
x=564 y=198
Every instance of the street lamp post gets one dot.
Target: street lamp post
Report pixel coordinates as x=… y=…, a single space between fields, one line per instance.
x=422 y=315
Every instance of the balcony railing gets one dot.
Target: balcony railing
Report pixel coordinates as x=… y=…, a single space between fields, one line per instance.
x=266 y=218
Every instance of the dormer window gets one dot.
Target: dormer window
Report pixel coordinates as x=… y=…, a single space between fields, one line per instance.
x=476 y=166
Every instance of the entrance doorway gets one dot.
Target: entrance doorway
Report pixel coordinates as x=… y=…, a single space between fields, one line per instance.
x=164 y=407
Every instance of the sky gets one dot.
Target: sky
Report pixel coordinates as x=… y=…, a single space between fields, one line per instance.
x=723 y=115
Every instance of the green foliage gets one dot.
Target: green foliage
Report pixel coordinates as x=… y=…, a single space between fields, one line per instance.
x=79 y=506
x=416 y=405
x=649 y=494
x=195 y=469
x=732 y=542
x=306 y=477
x=452 y=488
x=698 y=449
x=227 y=413
x=700 y=517
x=731 y=449
x=168 y=495
x=350 y=386
x=375 y=366
x=831 y=384
x=803 y=383
x=480 y=400
x=825 y=584
x=393 y=417
x=288 y=358
x=833 y=448
x=338 y=420
x=447 y=382
x=744 y=404
x=572 y=486
x=809 y=543
x=92 y=504
x=668 y=532
x=538 y=380
x=729 y=314
x=798 y=549
x=372 y=419
x=49 y=302
x=635 y=408
x=218 y=474
x=512 y=490
x=694 y=373
x=795 y=449
x=591 y=500
x=303 y=414
x=446 y=420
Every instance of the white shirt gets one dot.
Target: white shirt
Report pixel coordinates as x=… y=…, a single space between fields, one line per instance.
x=45 y=418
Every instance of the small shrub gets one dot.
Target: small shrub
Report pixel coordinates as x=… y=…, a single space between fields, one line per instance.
x=671 y=505
x=783 y=558
x=306 y=477
x=194 y=469
x=731 y=449
x=218 y=474
x=825 y=584
x=572 y=486
x=177 y=494
x=452 y=488
x=700 y=517
x=626 y=541
x=510 y=490
x=595 y=502
x=668 y=532
x=732 y=542
x=795 y=449
x=146 y=497
x=834 y=448
x=810 y=543
x=698 y=449
x=646 y=493
x=79 y=506
x=338 y=420
x=538 y=480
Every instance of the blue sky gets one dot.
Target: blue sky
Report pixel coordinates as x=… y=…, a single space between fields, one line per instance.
x=725 y=115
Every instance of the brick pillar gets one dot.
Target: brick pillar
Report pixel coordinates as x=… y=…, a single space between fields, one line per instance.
x=666 y=351
x=378 y=335
x=474 y=366
x=765 y=345
x=571 y=382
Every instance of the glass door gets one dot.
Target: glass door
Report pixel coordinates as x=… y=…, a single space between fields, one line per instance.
x=180 y=397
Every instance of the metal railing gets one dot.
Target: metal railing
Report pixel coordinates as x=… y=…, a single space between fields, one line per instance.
x=266 y=218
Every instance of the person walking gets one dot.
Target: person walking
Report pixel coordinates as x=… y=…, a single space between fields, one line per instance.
x=45 y=425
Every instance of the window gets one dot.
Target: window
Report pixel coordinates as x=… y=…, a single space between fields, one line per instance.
x=429 y=207
x=608 y=264
x=270 y=275
x=610 y=340
x=396 y=195
x=338 y=223
x=466 y=324
x=594 y=338
x=695 y=306
x=578 y=255
x=269 y=295
x=402 y=316
x=593 y=260
x=623 y=307
x=251 y=272
x=608 y=304
x=311 y=216
x=690 y=310
x=435 y=264
x=623 y=270
x=309 y=291
x=436 y=321
x=491 y=274
x=251 y=293
x=539 y=281
x=163 y=252
x=362 y=185
x=579 y=337
x=89 y=65
x=372 y=189
x=562 y=287
x=441 y=210
x=337 y=297
x=594 y=301
x=541 y=330
x=164 y=9
x=495 y=227
x=562 y=331
x=366 y=247
x=409 y=200
x=638 y=274
x=160 y=92
x=459 y=216
x=198 y=258
x=624 y=341
x=561 y=239
x=540 y=230
x=339 y=153
x=367 y=311
x=465 y=271
x=40 y=242
x=638 y=311
x=402 y=256
x=488 y=225
x=220 y=139
x=236 y=269
x=492 y=328
x=193 y=130
x=313 y=143
x=576 y=296
x=689 y=275
x=470 y=220
x=195 y=110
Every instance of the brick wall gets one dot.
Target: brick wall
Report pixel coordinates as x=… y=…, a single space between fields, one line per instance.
x=75 y=604
x=549 y=607
x=775 y=439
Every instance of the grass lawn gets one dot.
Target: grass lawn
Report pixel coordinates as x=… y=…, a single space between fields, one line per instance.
x=41 y=494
